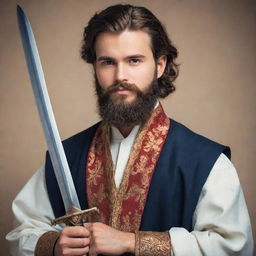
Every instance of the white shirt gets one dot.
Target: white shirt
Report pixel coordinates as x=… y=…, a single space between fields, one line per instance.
x=221 y=221
x=120 y=151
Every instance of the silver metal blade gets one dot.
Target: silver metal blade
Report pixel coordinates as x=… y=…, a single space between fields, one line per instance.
x=59 y=161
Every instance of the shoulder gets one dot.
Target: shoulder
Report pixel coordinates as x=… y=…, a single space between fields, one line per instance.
x=193 y=151
x=183 y=133
x=85 y=134
x=194 y=143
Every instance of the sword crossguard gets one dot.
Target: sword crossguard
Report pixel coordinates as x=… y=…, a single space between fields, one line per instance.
x=76 y=217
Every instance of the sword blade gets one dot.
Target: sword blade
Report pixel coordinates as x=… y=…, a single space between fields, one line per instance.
x=59 y=161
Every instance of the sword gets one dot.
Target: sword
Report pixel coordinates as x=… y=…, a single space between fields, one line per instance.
x=74 y=214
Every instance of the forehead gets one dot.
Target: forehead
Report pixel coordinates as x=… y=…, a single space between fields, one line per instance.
x=123 y=44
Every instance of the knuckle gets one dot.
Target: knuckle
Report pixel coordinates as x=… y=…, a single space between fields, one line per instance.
x=63 y=242
x=65 y=231
x=85 y=242
x=87 y=232
x=80 y=231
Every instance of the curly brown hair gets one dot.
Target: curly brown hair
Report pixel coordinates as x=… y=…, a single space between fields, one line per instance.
x=118 y=18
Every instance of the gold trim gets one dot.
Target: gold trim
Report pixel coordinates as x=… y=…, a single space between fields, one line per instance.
x=122 y=207
x=149 y=243
x=99 y=172
x=133 y=168
x=45 y=244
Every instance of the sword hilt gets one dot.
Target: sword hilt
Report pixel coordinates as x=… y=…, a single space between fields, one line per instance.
x=76 y=217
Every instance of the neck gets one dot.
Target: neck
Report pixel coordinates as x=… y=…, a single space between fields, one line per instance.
x=125 y=129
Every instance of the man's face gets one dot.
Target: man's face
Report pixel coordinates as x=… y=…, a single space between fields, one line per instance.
x=126 y=77
x=124 y=58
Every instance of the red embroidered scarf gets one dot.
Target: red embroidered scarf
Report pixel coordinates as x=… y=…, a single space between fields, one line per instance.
x=122 y=207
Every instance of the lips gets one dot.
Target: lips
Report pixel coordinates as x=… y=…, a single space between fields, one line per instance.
x=122 y=91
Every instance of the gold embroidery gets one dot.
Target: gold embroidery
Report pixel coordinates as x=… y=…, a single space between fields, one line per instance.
x=45 y=244
x=152 y=243
x=123 y=207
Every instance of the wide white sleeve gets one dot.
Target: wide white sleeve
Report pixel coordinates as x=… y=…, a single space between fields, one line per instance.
x=33 y=214
x=221 y=224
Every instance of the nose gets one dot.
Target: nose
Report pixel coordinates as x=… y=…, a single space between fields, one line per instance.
x=121 y=72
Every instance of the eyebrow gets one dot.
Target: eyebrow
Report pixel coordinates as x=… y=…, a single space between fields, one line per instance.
x=135 y=56
x=104 y=58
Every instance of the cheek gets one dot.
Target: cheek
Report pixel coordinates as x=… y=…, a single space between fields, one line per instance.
x=105 y=77
x=144 y=76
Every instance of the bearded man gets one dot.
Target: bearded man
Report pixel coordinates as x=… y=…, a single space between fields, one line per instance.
x=160 y=188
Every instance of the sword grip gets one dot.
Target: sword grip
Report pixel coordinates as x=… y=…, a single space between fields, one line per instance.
x=77 y=217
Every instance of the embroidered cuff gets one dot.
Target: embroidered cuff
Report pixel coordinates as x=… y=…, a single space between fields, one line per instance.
x=152 y=243
x=45 y=244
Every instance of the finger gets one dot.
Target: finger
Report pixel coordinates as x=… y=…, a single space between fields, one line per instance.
x=78 y=242
x=76 y=251
x=66 y=242
x=76 y=231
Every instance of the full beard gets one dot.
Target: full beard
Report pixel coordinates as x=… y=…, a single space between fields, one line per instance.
x=115 y=111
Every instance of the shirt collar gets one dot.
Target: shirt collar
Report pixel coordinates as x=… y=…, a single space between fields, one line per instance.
x=117 y=136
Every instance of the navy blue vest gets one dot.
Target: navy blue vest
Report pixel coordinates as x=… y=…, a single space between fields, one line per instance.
x=181 y=171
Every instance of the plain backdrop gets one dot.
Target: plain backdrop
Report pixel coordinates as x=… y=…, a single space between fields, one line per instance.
x=215 y=90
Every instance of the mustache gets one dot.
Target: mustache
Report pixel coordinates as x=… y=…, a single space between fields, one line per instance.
x=122 y=85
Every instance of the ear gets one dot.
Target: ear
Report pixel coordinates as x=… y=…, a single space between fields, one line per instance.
x=161 y=64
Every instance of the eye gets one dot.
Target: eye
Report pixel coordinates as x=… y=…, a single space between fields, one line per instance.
x=135 y=61
x=107 y=63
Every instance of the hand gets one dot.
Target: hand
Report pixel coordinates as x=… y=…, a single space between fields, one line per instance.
x=109 y=241
x=72 y=241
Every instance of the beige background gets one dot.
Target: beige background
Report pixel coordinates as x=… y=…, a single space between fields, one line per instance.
x=215 y=91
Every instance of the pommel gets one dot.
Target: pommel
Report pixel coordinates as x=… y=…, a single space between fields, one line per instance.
x=76 y=217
